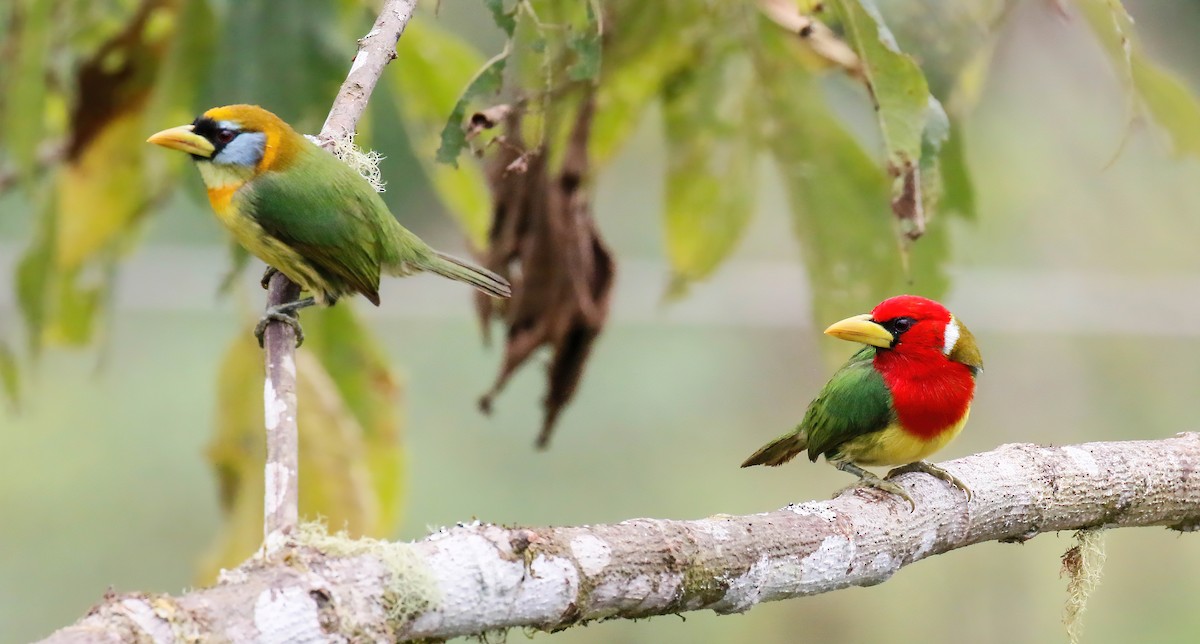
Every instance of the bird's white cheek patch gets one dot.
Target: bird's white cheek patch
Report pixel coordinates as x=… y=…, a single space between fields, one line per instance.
x=952 y=334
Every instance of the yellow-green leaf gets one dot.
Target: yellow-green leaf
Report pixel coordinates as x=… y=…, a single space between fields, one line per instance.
x=712 y=139
x=10 y=376
x=101 y=191
x=432 y=67
x=639 y=63
x=358 y=366
x=78 y=301
x=25 y=90
x=350 y=459
x=35 y=273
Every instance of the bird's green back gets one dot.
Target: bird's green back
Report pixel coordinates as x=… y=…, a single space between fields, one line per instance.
x=331 y=216
x=854 y=402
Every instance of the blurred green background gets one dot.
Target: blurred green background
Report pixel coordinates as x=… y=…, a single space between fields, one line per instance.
x=1078 y=277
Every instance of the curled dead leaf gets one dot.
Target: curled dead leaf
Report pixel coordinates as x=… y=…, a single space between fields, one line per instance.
x=906 y=201
x=812 y=32
x=487 y=119
x=544 y=239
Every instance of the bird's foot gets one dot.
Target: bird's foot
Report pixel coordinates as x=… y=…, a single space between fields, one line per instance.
x=936 y=472
x=287 y=314
x=276 y=316
x=266 y=278
x=867 y=479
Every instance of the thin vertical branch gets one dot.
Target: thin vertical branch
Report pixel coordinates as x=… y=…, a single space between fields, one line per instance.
x=282 y=494
x=281 y=507
x=375 y=51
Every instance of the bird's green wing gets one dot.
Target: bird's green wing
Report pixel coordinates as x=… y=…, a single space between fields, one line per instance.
x=854 y=402
x=331 y=221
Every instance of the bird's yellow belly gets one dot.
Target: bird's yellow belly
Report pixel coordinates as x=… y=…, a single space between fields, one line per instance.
x=894 y=446
x=254 y=239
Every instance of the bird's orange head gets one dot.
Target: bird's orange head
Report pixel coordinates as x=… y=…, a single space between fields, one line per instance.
x=243 y=138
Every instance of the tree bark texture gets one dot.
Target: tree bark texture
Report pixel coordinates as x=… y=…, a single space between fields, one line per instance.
x=477 y=577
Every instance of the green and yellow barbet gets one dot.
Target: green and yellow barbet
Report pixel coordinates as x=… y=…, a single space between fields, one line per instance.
x=898 y=400
x=304 y=212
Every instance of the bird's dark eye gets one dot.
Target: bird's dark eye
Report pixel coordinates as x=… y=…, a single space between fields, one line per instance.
x=225 y=136
x=900 y=325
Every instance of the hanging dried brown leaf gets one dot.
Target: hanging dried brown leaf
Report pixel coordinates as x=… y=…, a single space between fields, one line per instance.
x=117 y=79
x=907 y=204
x=543 y=238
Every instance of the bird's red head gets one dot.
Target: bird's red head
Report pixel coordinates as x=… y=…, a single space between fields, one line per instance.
x=912 y=326
x=916 y=324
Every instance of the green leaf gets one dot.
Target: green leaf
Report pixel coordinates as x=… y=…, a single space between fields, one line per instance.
x=896 y=82
x=290 y=61
x=958 y=191
x=838 y=199
x=432 y=65
x=902 y=101
x=712 y=138
x=487 y=82
x=10 y=375
x=185 y=69
x=505 y=19
x=1161 y=94
x=586 y=45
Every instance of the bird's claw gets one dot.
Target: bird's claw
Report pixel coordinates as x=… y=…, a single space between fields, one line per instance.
x=266 y=279
x=936 y=472
x=867 y=479
x=887 y=486
x=278 y=316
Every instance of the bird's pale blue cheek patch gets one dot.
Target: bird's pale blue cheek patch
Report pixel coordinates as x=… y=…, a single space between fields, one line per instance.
x=244 y=150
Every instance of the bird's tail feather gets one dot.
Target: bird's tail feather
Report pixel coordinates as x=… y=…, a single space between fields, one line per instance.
x=462 y=271
x=780 y=450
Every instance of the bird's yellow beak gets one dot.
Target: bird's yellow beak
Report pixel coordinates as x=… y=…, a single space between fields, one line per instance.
x=183 y=139
x=860 y=328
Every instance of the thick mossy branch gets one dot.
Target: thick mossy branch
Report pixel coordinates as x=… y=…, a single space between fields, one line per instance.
x=477 y=578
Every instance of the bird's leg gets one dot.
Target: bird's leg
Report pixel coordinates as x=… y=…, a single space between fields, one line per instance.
x=267 y=275
x=286 y=313
x=935 y=471
x=868 y=479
